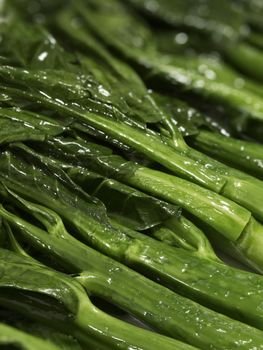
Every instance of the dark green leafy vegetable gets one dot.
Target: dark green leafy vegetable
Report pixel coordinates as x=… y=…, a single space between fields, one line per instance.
x=78 y=73
x=180 y=191
x=19 y=41
x=181 y=164
x=236 y=181
x=241 y=154
x=172 y=189
x=182 y=233
x=187 y=118
x=174 y=72
x=108 y=112
x=125 y=204
x=27 y=282
x=157 y=306
x=32 y=179
x=139 y=139
x=36 y=328
x=117 y=83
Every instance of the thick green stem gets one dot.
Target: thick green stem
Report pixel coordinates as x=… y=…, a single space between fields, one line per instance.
x=165 y=155
x=181 y=232
x=223 y=215
x=247 y=249
x=250 y=230
x=248 y=59
x=250 y=244
x=247 y=193
x=244 y=155
x=155 y=305
x=180 y=164
x=112 y=333
x=240 y=187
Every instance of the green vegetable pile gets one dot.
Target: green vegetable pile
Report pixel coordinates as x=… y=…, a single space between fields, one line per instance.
x=131 y=162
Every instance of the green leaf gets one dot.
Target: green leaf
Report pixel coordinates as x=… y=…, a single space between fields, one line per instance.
x=36 y=291
x=31 y=45
x=46 y=184
x=125 y=204
x=187 y=119
x=38 y=329
x=19 y=125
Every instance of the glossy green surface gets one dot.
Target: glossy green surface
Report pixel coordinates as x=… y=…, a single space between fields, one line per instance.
x=104 y=121
x=16 y=125
x=172 y=314
x=181 y=232
x=76 y=73
x=88 y=324
x=88 y=218
x=37 y=329
x=125 y=204
x=173 y=72
x=244 y=155
x=225 y=216
x=11 y=336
